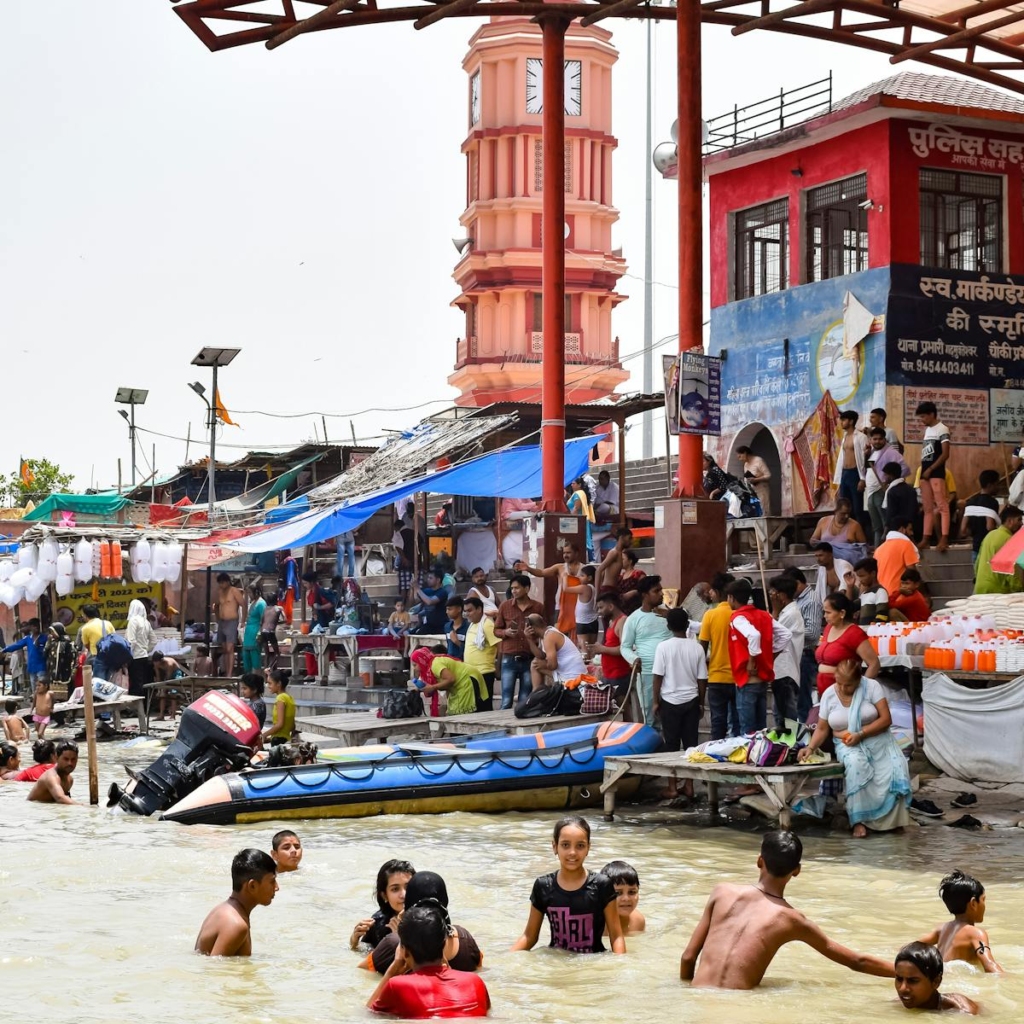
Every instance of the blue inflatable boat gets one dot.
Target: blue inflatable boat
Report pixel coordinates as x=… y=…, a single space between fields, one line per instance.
x=543 y=771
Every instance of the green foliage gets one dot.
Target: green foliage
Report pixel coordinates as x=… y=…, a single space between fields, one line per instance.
x=49 y=479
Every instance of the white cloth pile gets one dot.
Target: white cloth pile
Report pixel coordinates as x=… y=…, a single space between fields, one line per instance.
x=1006 y=609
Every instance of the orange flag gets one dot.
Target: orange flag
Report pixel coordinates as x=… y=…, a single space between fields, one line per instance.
x=28 y=478
x=221 y=411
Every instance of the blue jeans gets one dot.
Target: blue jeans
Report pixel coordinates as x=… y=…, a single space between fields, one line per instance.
x=721 y=699
x=808 y=682
x=752 y=706
x=848 y=488
x=346 y=557
x=515 y=667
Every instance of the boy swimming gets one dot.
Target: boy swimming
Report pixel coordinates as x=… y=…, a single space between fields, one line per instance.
x=286 y=849
x=627 y=895
x=744 y=926
x=961 y=938
x=918 y=977
x=225 y=931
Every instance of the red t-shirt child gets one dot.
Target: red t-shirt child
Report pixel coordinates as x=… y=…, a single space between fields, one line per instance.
x=436 y=991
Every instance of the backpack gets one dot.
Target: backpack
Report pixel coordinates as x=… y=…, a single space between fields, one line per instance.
x=401 y=704
x=766 y=754
x=550 y=700
x=114 y=651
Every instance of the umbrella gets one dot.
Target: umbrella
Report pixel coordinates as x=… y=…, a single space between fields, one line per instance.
x=1010 y=555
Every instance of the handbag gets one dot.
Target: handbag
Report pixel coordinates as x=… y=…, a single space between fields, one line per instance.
x=597 y=698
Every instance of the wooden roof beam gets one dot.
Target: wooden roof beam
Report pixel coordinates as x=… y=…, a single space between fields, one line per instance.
x=310 y=23
x=956 y=39
x=610 y=11
x=800 y=10
x=442 y=11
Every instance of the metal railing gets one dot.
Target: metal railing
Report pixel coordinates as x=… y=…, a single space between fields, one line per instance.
x=768 y=116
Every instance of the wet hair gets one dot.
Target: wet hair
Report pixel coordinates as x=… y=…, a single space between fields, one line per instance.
x=44 y=751
x=203 y=650
x=866 y=565
x=611 y=596
x=631 y=555
x=223 y=577
x=618 y=872
x=479 y=568
x=589 y=572
x=281 y=676
x=157 y=656
x=573 y=821
x=739 y=591
x=927 y=409
x=426 y=886
x=455 y=602
x=271 y=599
x=1010 y=512
x=878 y=432
x=956 y=890
x=677 y=620
x=280 y=837
x=250 y=864
x=387 y=869
x=253 y=681
x=781 y=852
x=988 y=477
x=794 y=572
x=44 y=683
x=91 y=611
x=784 y=585
x=823 y=546
x=927 y=959
x=849 y=414
x=471 y=602
x=911 y=576
x=647 y=584
x=840 y=603
x=423 y=932
x=10 y=706
x=63 y=746
x=8 y=751
x=522 y=579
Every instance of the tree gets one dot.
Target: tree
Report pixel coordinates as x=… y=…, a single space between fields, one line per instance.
x=45 y=478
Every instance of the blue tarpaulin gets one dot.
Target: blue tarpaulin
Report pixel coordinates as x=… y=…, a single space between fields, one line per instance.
x=509 y=473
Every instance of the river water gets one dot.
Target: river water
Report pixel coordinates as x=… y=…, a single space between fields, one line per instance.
x=99 y=914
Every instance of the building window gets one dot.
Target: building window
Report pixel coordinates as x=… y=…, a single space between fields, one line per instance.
x=538 y=312
x=837 y=229
x=471 y=320
x=762 y=249
x=961 y=220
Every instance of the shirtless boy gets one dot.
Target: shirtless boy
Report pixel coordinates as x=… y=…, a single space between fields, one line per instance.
x=961 y=938
x=54 y=785
x=627 y=895
x=226 y=605
x=744 y=926
x=609 y=570
x=918 y=977
x=225 y=932
x=286 y=849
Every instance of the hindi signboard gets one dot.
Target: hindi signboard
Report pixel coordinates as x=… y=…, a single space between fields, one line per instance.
x=964 y=411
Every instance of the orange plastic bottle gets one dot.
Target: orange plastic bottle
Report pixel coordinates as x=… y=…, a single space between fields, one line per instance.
x=968 y=659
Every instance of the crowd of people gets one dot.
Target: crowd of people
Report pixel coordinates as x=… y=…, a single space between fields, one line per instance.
x=430 y=967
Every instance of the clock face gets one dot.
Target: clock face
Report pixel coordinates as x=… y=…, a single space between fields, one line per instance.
x=535 y=86
x=474 y=99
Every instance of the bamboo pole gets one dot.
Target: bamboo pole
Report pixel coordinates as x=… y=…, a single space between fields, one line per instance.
x=90 y=736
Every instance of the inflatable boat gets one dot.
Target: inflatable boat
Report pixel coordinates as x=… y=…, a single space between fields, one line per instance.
x=543 y=771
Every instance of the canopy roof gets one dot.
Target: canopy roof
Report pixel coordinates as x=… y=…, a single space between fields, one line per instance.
x=509 y=473
x=106 y=505
x=983 y=38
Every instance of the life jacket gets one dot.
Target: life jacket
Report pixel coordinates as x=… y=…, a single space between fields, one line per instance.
x=739 y=652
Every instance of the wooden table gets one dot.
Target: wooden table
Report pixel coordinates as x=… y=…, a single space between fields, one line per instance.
x=196 y=686
x=767 y=530
x=322 y=644
x=356 y=729
x=425 y=640
x=783 y=786
x=506 y=721
x=126 y=703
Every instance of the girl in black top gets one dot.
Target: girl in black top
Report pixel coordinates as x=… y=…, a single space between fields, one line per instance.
x=392 y=880
x=578 y=904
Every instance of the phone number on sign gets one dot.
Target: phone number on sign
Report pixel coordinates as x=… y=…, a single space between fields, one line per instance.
x=944 y=366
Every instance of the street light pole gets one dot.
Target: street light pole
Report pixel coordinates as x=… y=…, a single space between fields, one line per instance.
x=212 y=470
x=647 y=450
x=131 y=397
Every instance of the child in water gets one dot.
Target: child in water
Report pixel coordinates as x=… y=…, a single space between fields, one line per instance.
x=627 y=895
x=15 y=728
x=419 y=983
x=392 y=880
x=286 y=849
x=44 y=753
x=225 y=930
x=918 y=977
x=961 y=938
x=42 y=707
x=579 y=904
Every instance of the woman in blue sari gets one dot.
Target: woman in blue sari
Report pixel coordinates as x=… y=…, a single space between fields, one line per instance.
x=855 y=712
x=577 y=501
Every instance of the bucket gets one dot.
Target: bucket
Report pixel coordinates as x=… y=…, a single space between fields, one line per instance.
x=367 y=678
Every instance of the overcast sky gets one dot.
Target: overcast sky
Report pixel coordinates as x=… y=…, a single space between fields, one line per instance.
x=297 y=204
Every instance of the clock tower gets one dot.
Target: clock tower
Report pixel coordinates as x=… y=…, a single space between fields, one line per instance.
x=498 y=357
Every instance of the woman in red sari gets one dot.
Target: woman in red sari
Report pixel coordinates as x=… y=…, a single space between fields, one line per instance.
x=842 y=639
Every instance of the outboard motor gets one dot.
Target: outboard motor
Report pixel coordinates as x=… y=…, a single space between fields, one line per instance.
x=214 y=737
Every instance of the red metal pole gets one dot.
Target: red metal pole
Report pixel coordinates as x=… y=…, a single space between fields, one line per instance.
x=690 y=182
x=552 y=424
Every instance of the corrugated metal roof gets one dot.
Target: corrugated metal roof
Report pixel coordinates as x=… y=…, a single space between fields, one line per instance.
x=946 y=90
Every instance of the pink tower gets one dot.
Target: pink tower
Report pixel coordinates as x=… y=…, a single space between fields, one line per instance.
x=499 y=273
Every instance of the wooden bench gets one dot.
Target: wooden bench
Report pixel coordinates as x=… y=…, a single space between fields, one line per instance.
x=355 y=729
x=126 y=703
